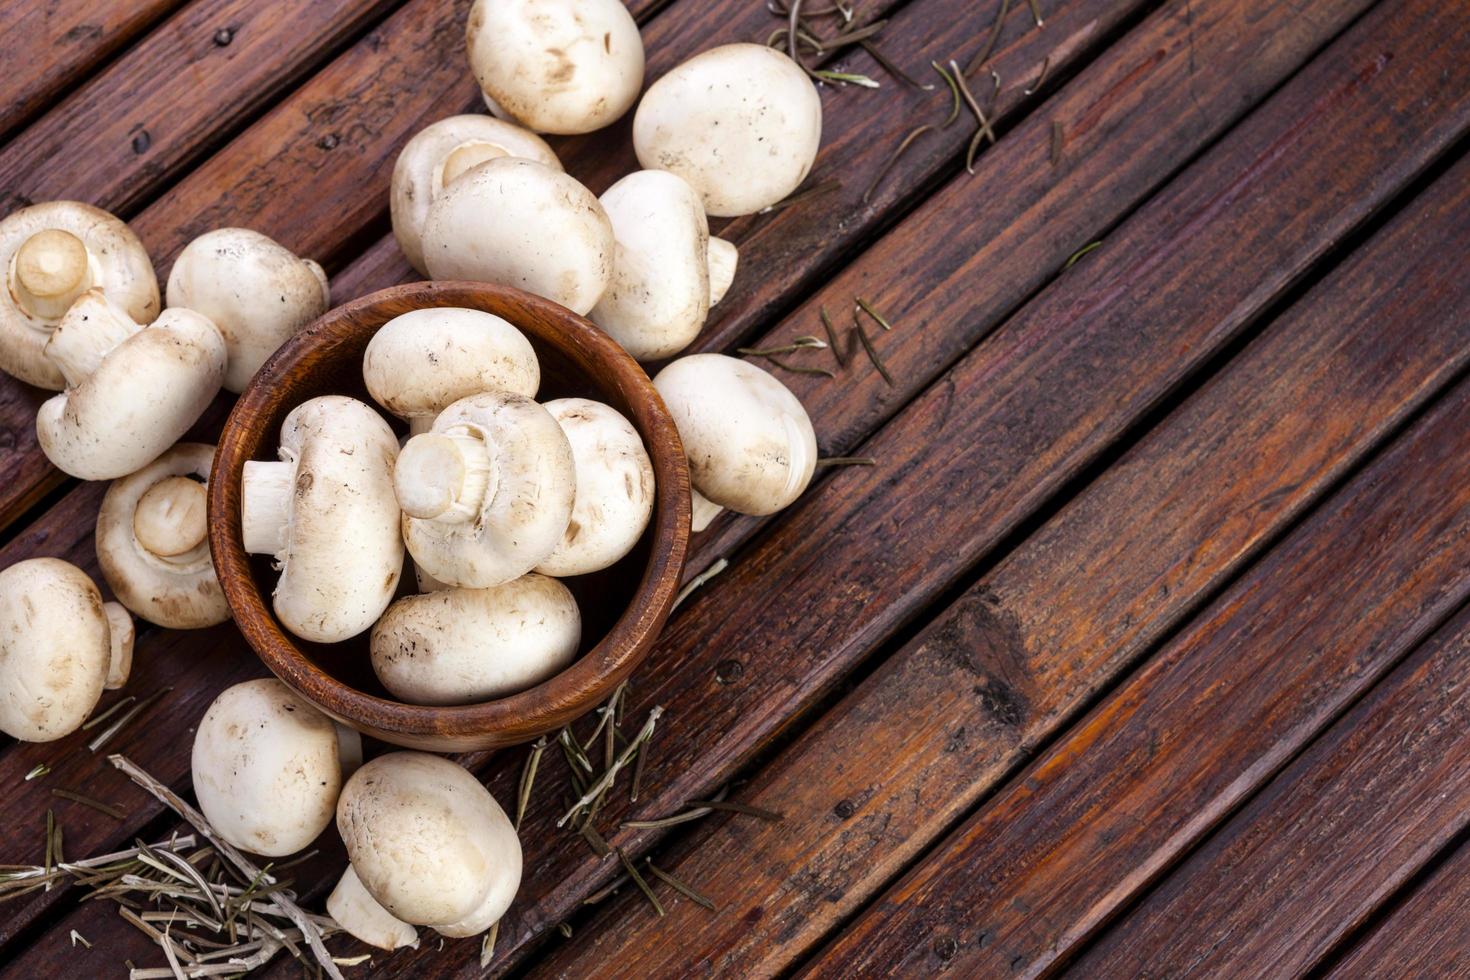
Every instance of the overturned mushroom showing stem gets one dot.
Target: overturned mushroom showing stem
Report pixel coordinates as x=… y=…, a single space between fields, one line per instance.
x=267 y=768
x=256 y=291
x=131 y=390
x=615 y=488
x=151 y=541
x=741 y=123
x=429 y=844
x=487 y=493
x=439 y=154
x=361 y=915
x=326 y=512
x=556 y=66
x=462 y=646
x=750 y=444
x=665 y=266
x=60 y=647
x=421 y=362
x=516 y=222
x=52 y=253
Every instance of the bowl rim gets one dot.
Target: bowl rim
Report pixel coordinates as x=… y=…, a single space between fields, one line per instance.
x=568 y=694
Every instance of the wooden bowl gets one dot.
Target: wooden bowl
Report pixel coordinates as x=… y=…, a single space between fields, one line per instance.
x=623 y=608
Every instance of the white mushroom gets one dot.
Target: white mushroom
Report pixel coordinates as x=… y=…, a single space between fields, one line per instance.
x=256 y=291
x=750 y=444
x=665 y=266
x=429 y=844
x=52 y=253
x=328 y=515
x=151 y=541
x=131 y=390
x=741 y=123
x=266 y=767
x=461 y=646
x=421 y=362
x=487 y=493
x=520 y=223
x=60 y=647
x=443 y=151
x=360 y=914
x=615 y=488
x=556 y=66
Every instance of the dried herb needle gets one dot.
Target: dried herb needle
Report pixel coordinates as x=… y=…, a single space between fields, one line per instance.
x=832 y=343
x=633 y=872
x=1090 y=246
x=983 y=131
x=866 y=341
x=680 y=887
x=114 y=812
x=983 y=55
x=847 y=461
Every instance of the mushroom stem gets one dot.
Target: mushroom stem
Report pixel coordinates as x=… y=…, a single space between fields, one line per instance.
x=419 y=424
x=90 y=330
x=469 y=154
x=170 y=519
x=723 y=256
x=443 y=476
x=50 y=270
x=359 y=913
x=120 y=633
x=265 y=506
x=702 y=511
x=349 y=749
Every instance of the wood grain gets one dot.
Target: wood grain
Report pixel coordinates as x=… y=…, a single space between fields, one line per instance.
x=880 y=776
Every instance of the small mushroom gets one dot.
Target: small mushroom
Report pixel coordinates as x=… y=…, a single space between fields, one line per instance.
x=520 y=223
x=326 y=512
x=267 y=767
x=256 y=291
x=151 y=541
x=443 y=151
x=461 y=646
x=131 y=390
x=741 y=123
x=615 y=488
x=429 y=844
x=363 y=918
x=51 y=254
x=750 y=444
x=665 y=266
x=421 y=362
x=556 y=66
x=487 y=493
x=60 y=647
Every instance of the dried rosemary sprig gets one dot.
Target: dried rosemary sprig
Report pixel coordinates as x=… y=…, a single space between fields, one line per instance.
x=716 y=568
x=97 y=743
x=605 y=781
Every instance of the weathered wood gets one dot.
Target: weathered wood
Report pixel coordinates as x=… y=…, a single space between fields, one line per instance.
x=1321 y=848
x=884 y=773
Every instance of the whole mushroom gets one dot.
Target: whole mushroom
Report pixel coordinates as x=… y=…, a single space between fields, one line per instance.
x=50 y=255
x=487 y=493
x=327 y=513
x=267 y=767
x=60 y=647
x=750 y=444
x=520 y=223
x=741 y=123
x=460 y=646
x=429 y=844
x=421 y=362
x=442 y=152
x=556 y=66
x=665 y=268
x=131 y=390
x=256 y=291
x=615 y=488
x=152 y=546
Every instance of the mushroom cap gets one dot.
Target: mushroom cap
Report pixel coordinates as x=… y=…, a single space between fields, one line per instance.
x=615 y=487
x=143 y=395
x=343 y=554
x=428 y=841
x=750 y=444
x=520 y=223
x=556 y=66
x=265 y=768
x=424 y=166
x=256 y=291
x=55 y=648
x=151 y=541
x=741 y=123
x=659 y=295
x=423 y=361
x=461 y=646
x=526 y=504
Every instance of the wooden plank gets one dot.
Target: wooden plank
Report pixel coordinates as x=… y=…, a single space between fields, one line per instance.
x=884 y=773
x=48 y=45
x=1323 y=846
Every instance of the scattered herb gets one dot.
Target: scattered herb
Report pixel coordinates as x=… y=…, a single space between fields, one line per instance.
x=954 y=91
x=115 y=813
x=866 y=341
x=605 y=781
x=888 y=167
x=983 y=129
x=798 y=369
x=799 y=344
x=719 y=566
x=77 y=937
x=847 y=461
x=528 y=779
x=816 y=190
x=628 y=865
x=680 y=887
x=846 y=78
x=602 y=893
x=1036 y=13
x=487 y=945
x=891 y=68
x=40 y=770
x=97 y=743
x=1081 y=252
x=112 y=710
x=983 y=55
x=564 y=929
x=750 y=811
x=872 y=311
x=832 y=343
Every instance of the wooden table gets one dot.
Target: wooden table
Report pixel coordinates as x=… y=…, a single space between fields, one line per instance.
x=1140 y=650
